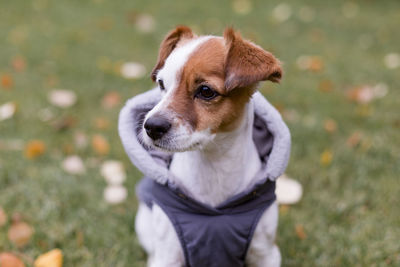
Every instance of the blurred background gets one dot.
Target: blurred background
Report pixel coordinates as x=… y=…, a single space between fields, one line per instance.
x=68 y=66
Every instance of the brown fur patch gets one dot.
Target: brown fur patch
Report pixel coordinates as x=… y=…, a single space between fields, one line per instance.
x=232 y=67
x=206 y=66
x=247 y=63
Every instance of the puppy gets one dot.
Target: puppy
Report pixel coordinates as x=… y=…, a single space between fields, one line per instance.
x=217 y=205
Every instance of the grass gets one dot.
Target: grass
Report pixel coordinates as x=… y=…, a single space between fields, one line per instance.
x=350 y=212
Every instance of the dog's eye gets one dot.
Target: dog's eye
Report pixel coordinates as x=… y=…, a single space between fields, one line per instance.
x=161 y=84
x=206 y=93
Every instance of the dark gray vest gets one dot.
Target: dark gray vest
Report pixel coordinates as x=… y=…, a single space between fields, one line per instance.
x=212 y=237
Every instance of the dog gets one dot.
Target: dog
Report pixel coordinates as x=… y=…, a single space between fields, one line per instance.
x=204 y=119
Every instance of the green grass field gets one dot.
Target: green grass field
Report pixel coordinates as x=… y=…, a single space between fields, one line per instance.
x=345 y=153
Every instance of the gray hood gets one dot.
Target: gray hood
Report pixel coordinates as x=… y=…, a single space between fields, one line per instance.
x=270 y=134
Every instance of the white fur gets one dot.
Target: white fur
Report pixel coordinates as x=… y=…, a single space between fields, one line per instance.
x=180 y=137
x=222 y=165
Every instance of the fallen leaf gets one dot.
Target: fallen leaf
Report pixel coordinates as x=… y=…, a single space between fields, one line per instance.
x=16 y=217
x=313 y=63
x=52 y=80
x=67 y=148
x=284 y=209
x=100 y=145
x=62 y=98
x=34 y=149
x=3 y=217
x=132 y=70
x=8 y=259
x=20 y=233
x=111 y=100
x=53 y=258
x=392 y=60
x=326 y=157
x=7 y=110
x=18 y=63
x=64 y=123
x=7 y=81
x=291 y=115
x=242 y=7
x=145 y=23
x=330 y=125
x=325 y=86
x=115 y=194
x=288 y=191
x=73 y=165
x=301 y=234
x=113 y=172
x=316 y=64
x=354 y=139
x=101 y=123
x=282 y=12
x=366 y=93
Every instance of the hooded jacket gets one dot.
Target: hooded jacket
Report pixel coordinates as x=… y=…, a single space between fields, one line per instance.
x=209 y=236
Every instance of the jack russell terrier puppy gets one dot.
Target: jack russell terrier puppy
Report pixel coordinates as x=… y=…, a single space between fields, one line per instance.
x=211 y=148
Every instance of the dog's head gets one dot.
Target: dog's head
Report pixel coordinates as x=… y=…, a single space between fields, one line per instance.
x=205 y=82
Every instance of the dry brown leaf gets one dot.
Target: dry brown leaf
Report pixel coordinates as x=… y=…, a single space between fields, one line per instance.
x=20 y=233
x=18 y=63
x=111 y=100
x=330 y=125
x=316 y=64
x=3 y=217
x=326 y=157
x=366 y=93
x=101 y=123
x=326 y=86
x=100 y=145
x=354 y=139
x=8 y=259
x=313 y=63
x=7 y=81
x=64 y=123
x=53 y=258
x=34 y=149
x=283 y=209
x=300 y=232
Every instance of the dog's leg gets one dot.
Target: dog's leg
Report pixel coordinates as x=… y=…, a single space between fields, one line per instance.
x=263 y=252
x=167 y=248
x=144 y=229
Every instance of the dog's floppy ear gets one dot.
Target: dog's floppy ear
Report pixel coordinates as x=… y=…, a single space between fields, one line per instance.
x=247 y=63
x=168 y=44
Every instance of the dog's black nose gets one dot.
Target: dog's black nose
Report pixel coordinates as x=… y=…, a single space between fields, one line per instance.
x=156 y=127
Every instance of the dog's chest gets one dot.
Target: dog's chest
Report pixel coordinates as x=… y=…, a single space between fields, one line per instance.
x=213 y=181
